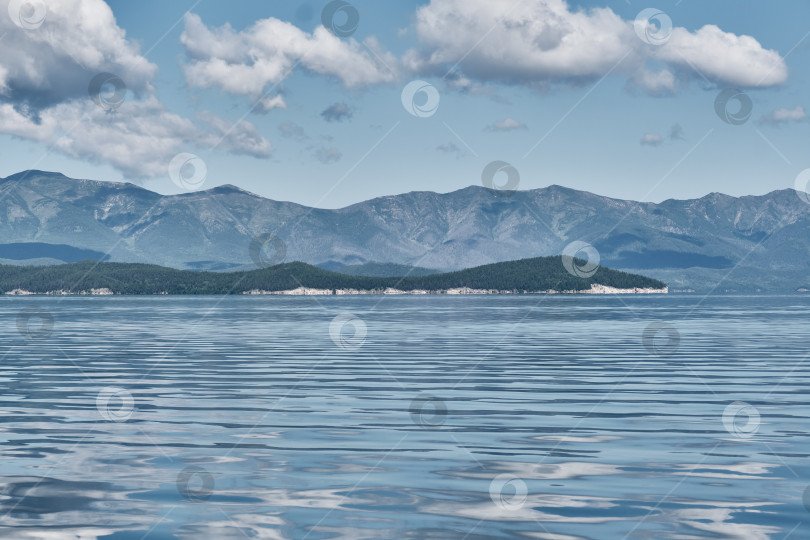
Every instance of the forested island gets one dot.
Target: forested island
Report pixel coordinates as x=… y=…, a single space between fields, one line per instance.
x=542 y=274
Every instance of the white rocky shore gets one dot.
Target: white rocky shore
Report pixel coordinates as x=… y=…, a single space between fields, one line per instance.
x=595 y=289
x=307 y=291
x=91 y=292
x=603 y=289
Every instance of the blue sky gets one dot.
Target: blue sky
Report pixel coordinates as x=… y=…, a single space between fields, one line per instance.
x=568 y=93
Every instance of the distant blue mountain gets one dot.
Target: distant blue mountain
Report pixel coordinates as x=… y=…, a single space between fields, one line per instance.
x=732 y=243
x=37 y=250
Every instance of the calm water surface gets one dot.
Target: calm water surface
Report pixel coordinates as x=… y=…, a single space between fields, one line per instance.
x=454 y=417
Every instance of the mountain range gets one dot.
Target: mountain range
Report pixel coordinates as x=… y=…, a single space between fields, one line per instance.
x=715 y=242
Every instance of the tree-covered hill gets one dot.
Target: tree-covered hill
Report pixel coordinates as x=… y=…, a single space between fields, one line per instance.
x=526 y=275
x=375 y=269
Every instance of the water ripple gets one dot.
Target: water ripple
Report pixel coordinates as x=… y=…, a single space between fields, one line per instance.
x=476 y=417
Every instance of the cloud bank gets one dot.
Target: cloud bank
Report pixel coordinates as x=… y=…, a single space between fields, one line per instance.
x=471 y=44
x=44 y=95
x=252 y=62
x=542 y=42
x=535 y=43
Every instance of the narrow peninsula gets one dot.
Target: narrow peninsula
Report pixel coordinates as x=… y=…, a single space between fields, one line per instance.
x=526 y=276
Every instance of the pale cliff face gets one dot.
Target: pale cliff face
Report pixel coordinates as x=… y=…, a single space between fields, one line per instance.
x=603 y=289
x=595 y=289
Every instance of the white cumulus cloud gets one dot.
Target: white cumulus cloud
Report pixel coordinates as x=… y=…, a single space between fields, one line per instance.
x=80 y=129
x=268 y=103
x=55 y=62
x=45 y=76
x=723 y=58
x=251 y=61
x=780 y=116
x=542 y=42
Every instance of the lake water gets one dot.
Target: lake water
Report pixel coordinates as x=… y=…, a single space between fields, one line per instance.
x=559 y=417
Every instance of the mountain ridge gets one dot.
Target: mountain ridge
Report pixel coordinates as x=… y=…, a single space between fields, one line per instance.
x=234 y=187
x=689 y=243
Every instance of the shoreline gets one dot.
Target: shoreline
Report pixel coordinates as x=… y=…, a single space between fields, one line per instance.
x=456 y=291
x=308 y=291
